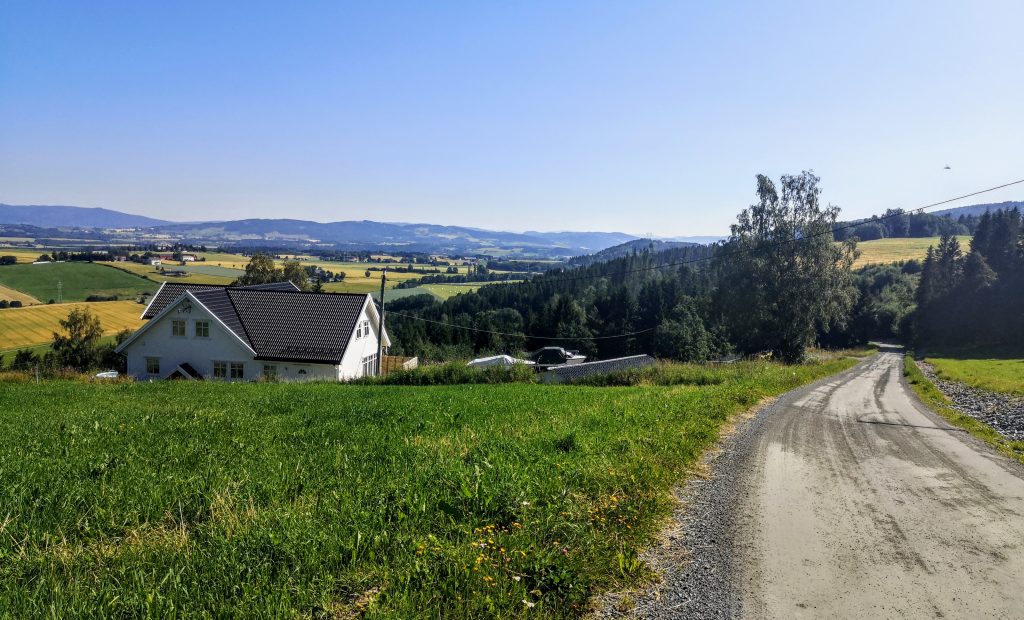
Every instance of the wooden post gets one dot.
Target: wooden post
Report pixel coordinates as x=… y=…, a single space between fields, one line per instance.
x=380 y=325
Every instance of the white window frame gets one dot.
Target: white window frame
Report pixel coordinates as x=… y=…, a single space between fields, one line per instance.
x=206 y=328
x=175 y=324
x=156 y=360
x=369 y=365
x=223 y=367
x=239 y=366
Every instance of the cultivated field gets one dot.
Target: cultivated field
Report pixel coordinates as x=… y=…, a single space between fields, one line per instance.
x=150 y=272
x=321 y=500
x=884 y=251
x=26 y=327
x=12 y=295
x=996 y=373
x=79 y=280
x=23 y=255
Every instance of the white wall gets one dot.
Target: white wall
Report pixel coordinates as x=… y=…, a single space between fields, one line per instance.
x=352 y=364
x=223 y=346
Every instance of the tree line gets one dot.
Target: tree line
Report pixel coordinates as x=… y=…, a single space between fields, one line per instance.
x=774 y=285
x=974 y=298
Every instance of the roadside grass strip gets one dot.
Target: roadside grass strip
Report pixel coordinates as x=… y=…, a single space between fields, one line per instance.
x=997 y=374
x=330 y=500
x=937 y=401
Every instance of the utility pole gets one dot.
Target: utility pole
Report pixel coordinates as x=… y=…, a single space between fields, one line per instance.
x=60 y=291
x=380 y=325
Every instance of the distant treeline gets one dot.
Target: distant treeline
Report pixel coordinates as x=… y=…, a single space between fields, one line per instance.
x=486 y=276
x=897 y=223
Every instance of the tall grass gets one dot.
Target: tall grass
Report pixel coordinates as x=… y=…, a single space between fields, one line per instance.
x=318 y=500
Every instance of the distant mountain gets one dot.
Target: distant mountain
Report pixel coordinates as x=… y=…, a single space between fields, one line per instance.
x=628 y=248
x=303 y=234
x=956 y=212
x=363 y=235
x=46 y=216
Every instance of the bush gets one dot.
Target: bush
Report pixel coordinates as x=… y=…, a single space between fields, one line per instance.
x=15 y=304
x=3 y=303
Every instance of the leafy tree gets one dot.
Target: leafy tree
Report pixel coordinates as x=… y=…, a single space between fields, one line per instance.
x=24 y=359
x=260 y=270
x=782 y=276
x=78 y=347
x=295 y=273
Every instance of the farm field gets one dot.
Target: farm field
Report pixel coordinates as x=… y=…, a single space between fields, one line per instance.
x=26 y=327
x=12 y=295
x=996 y=373
x=79 y=280
x=214 y=500
x=884 y=251
x=150 y=272
x=23 y=255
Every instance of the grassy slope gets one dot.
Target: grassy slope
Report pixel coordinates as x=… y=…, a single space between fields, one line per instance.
x=990 y=373
x=881 y=251
x=26 y=327
x=79 y=280
x=309 y=500
x=938 y=402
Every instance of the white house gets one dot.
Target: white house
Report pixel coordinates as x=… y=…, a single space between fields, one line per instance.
x=205 y=331
x=155 y=262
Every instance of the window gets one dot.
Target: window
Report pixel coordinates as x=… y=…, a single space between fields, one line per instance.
x=153 y=365
x=202 y=329
x=363 y=328
x=370 y=365
x=269 y=371
x=220 y=370
x=178 y=328
x=237 y=370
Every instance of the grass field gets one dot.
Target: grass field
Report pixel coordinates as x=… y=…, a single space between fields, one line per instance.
x=79 y=280
x=26 y=327
x=981 y=370
x=324 y=500
x=937 y=401
x=884 y=251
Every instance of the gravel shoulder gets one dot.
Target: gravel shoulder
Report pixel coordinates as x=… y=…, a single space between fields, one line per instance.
x=1003 y=412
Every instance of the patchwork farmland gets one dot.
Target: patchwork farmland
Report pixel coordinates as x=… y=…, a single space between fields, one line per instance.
x=34 y=325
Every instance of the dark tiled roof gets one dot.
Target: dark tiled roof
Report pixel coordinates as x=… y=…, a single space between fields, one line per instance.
x=310 y=327
x=171 y=291
x=218 y=302
x=573 y=372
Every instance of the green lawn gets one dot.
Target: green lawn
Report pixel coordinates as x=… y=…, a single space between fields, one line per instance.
x=79 y=280
x=937 y=401
x=325 y=500
x=999 y=374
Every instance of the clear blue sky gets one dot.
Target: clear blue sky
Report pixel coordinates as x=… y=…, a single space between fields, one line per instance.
x=643 y=117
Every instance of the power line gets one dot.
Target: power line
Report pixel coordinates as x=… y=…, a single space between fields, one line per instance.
x=698 y=259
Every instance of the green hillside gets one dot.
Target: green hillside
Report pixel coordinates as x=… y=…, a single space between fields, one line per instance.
x=78 y=280
x=208 y=499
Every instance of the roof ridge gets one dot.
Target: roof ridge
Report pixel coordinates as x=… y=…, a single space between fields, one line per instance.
x=241 y=320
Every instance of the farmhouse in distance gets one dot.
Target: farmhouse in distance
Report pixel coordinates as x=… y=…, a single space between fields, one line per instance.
x=236 y=333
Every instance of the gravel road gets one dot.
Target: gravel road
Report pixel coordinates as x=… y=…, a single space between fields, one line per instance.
x=849 y=499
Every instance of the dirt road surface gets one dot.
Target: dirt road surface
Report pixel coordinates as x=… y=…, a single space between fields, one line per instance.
x=849 y=499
